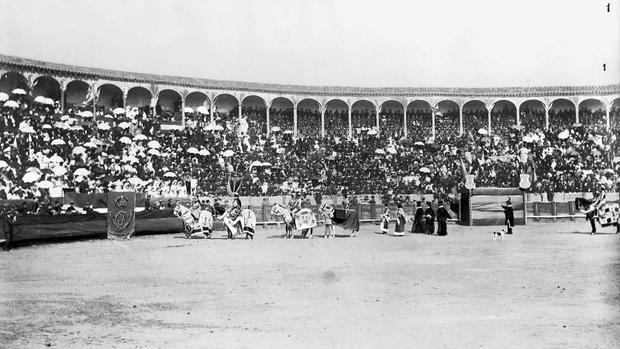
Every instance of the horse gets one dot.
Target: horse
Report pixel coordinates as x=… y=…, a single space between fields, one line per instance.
x=195 y=227
x=243 y=222
x=351 y=221
x=289 y=220
x=607 y=214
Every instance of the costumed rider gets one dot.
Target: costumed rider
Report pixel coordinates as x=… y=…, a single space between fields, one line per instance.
x=295 y=204
x=592 y=207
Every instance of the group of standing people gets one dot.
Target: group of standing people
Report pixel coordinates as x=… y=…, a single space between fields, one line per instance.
x=423 y=220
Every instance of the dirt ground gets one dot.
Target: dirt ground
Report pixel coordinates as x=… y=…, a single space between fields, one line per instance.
x=546 y=286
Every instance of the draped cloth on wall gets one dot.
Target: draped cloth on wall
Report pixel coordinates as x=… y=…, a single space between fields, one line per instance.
x=121 y=216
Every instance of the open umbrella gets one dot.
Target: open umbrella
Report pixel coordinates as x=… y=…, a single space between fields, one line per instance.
x=77 y=128
x=124 y=124
x=528 y=139
x=119 y=111
x=379 y=151
x=18 y=91
x=154 y=152
x=204 y=152
x=154 y=144
x=104 y=126
x=288 y=132
x=48 y=101
x=135 y=181
x=193 y=150
x=78 y=150
x=256 y=163
x=213 y=127
x=45 y=184
x=202 y=110
x=169 y=175
x=81 y=172
x=11 y=104
x=3 y=97
x=130 y=158
x=125 y=140
x=275 y=129
x=482 y=131
x=425 y=170
x=420 y=144
x=90 y=145
x=391 y=150
x=31 y=177
x=188 y=110
x=40 y=99
x=58 y=142
x=59 y=170
x=563 y=135
x=56 y=159
x=3 y=164
x=85 y=114
x=27 y=129
x=140 y=137
x=228 y=153
x=46 y=126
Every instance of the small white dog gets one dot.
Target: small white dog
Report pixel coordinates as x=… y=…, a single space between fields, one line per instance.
x=499 y=234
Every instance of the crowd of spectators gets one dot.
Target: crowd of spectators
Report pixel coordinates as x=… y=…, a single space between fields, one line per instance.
x=44 y=152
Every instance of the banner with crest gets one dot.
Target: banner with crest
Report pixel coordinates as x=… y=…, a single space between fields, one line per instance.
x=121 y=220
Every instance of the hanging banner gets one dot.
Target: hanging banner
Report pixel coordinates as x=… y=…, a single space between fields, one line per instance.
x=121 y=215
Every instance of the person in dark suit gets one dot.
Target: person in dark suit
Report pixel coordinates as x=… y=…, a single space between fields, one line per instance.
x=509 y=216
x=418 y=219
x=429 y=218
x=89 y=208
x=442 y=219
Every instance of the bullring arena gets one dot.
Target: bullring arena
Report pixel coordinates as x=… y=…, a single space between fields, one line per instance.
x=149 y=210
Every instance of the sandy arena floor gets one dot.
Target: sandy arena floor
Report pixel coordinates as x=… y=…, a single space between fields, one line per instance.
x=547 y=286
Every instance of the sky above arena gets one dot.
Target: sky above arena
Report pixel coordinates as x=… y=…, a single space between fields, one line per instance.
x=447 y=43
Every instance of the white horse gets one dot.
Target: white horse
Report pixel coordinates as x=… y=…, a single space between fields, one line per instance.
x=195 y=227
x=289 y=220
x=244 y=222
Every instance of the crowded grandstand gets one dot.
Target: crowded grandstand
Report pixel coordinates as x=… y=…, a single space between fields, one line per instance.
x=61 y=133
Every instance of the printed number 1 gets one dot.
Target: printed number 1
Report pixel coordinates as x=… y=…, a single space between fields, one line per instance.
x=604 y=66
x=608 y=6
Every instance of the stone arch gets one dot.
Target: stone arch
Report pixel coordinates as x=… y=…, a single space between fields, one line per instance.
x=562 y=113
x=78 y=93
x=363 y=115
x=593 y=112
x=139 y=97
x=503 y=116
x=254 y=108
x=46 y=86
x=309 y=117
x=475 y=116
x=614 y=114
x=109 y=97
x=448 y=124
x=169 y=104
x=226 y=108
x=419 y=119
x=12 y=80
x=532 y=114
x=337 y=118
x=391 y=118
x=199 y=103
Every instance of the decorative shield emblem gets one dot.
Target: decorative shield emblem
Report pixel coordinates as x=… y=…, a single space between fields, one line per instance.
x=525 y=182
x=469 y=182
x=305 y=219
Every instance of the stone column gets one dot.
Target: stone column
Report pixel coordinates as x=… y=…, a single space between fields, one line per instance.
x=63 y=90
x=378 y=119
x=518 y=116
x=489 y=119
x=433 y=123
x=267 y=119
x=547 y=116
x=322 y=121
x=405 y=121
x=295 y=121
x=460 y=120
x=350 y=123
x=576 y=113
x=608 y=121
x=211 y=111
x=183 y=111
